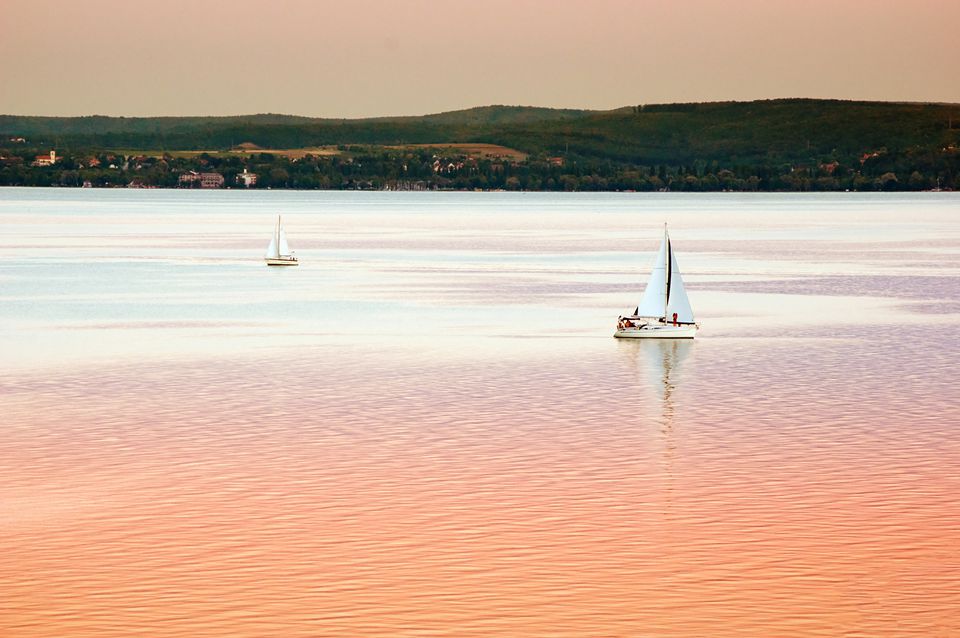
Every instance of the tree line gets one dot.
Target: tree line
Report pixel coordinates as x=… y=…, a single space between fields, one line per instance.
x=373 y=167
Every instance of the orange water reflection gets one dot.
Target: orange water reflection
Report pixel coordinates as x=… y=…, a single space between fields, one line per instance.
x=304 y=498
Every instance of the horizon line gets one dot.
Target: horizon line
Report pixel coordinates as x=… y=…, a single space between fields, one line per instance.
x=487 y=106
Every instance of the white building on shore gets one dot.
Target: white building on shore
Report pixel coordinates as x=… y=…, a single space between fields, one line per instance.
x=247 y=179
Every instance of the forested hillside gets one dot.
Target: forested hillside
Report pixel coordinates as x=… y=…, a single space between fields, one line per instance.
x=791 y=144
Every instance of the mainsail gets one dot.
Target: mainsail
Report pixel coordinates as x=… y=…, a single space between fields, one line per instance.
x=677 y=301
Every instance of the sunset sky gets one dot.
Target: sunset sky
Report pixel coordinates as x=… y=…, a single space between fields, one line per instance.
x=368 y=58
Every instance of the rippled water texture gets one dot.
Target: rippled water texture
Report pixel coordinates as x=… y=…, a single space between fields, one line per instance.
x=427 y=429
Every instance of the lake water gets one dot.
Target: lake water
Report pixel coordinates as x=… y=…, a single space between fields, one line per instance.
x=427 y=428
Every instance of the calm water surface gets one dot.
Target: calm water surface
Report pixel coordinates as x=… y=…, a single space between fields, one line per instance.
x=427 y=429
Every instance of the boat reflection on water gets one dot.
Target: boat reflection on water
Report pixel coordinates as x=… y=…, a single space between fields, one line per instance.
x=658 y=366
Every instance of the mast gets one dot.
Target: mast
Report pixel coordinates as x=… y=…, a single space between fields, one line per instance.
x=666 y=288
x=278 y=235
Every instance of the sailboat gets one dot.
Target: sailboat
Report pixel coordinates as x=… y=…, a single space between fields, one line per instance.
x=278 y=252
x=664 y=311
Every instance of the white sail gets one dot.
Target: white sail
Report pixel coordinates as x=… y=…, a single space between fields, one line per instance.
x=278 y=243
x=652 y=302
x=677 y=302
x=665 y=295
x=278 y=252
x=272 y=251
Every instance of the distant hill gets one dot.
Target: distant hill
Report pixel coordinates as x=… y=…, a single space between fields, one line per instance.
x=746 y=132
x=663 y=133
x=272 y=130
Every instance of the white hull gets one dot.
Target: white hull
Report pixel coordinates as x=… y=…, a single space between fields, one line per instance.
x=282 y=261
x=658 y=331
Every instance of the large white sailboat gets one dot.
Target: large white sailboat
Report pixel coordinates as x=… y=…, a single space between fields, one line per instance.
x=664 y=311
x=278 y=252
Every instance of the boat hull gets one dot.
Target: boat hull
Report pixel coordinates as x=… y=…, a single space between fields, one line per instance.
x=281 y=261
x=658 y=331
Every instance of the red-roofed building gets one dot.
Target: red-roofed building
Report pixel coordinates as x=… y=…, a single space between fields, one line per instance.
x=45 y=160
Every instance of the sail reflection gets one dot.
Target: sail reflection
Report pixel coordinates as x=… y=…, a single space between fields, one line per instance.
x=657 y=369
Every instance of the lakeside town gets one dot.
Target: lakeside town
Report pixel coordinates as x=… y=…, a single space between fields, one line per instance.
x=436 y=168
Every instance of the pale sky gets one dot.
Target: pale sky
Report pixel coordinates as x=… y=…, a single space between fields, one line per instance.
x=359 y=58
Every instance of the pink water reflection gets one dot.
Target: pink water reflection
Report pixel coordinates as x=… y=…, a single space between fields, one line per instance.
x=355 y=492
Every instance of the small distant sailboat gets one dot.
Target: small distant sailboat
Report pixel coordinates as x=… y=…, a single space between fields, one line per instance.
x=278 y=252
x=664 y=311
